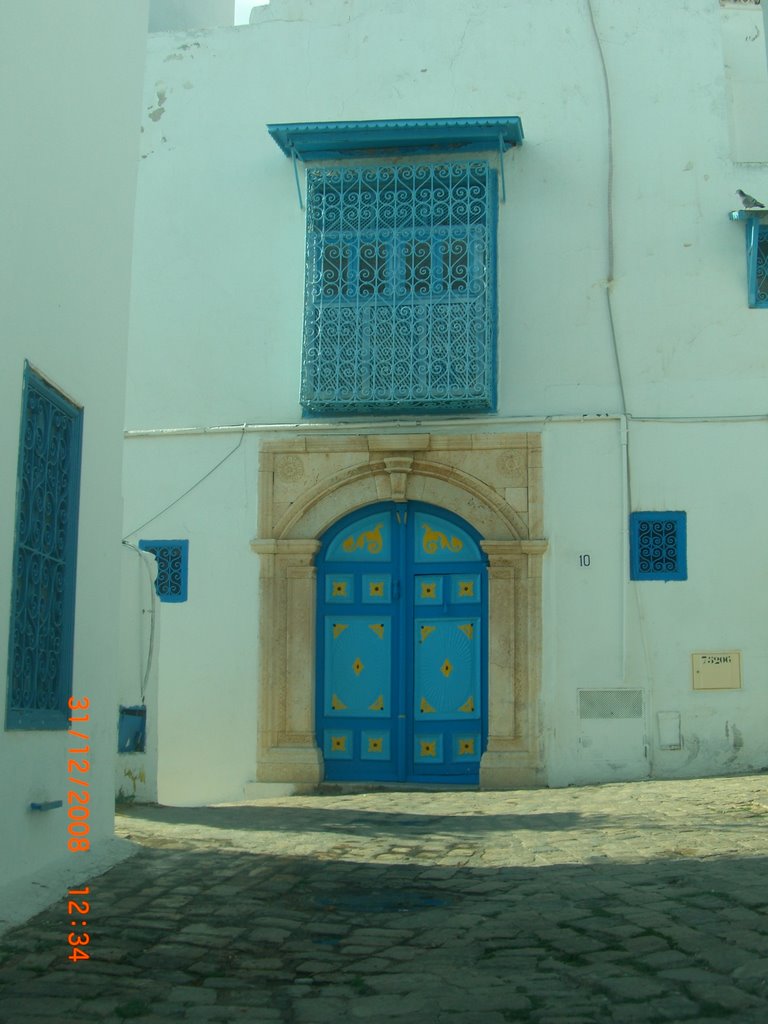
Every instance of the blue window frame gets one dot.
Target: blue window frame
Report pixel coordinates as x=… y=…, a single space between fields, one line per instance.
x=757 y=263
x=172 y=557
x=400 y=289
x=132 y=729
x=658 y=546
x=44 y=558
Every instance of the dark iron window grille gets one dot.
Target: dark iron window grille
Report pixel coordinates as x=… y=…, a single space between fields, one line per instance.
x=44 y=559
x=757 y=263
x=172 y=557
x=400 y=289
x=658 y=546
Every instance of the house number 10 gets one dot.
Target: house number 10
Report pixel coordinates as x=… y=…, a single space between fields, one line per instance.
x=585 y=561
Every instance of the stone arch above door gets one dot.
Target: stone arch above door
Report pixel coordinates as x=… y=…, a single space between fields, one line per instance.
x=307 y=483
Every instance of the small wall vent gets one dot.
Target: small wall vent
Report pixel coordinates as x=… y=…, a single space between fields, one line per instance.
x=610 y=704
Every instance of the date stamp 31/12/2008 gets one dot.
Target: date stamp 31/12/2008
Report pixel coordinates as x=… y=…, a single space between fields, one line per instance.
x=77 y=798
x=78 y=811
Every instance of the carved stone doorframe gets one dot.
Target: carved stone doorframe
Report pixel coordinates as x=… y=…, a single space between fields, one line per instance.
x=306 y=484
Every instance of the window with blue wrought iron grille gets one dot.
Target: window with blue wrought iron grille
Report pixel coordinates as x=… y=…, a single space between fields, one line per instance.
x=44 y=558
x=658 y=546
x=400 y=289
x=172 y=557
x=757 y=264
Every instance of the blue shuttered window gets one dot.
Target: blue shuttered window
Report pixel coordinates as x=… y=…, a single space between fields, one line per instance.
x=44 y=558
x=172 y=557
x=757 y=263
x=400 y=289
x=658 y=546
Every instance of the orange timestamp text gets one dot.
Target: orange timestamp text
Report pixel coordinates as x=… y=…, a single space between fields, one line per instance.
x=78 y=797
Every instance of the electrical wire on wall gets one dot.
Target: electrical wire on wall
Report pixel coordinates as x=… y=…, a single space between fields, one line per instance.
x=189 y=490
x=153 y=601
x=145 y=560
x=611 y=246
x=625 y=414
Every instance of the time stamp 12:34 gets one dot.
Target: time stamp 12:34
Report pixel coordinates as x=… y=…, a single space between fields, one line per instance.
x=78 y=811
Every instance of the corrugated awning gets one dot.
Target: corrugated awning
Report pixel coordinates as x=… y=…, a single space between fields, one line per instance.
x=339 y=140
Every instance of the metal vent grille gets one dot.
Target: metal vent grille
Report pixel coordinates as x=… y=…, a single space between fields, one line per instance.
x=610 y=704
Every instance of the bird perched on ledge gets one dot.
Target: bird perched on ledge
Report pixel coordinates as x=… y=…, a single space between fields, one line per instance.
x=749 y=202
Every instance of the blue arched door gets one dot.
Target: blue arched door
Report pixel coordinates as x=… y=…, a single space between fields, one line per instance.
x=402 y=664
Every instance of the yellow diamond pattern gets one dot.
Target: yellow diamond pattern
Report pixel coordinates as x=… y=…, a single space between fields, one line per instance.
x=357 y=666
x=446 y=668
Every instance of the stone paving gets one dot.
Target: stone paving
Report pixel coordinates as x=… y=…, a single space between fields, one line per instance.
x=637 y=902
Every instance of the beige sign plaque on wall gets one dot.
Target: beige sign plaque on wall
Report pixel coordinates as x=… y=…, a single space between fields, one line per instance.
x=719 y=670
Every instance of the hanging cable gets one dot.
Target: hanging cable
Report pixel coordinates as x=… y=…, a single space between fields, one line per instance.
x=190 y=489
x=153 y=600
x=609 y=205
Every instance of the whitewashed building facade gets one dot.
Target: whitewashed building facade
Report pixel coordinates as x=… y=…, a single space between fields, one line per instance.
x=446 y=415
x=70 y=89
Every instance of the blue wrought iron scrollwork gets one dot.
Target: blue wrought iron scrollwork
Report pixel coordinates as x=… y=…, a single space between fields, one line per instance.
x=761 y=288
x=658 y=546
x=42 y=616
x=400 y=294
x=172 y=564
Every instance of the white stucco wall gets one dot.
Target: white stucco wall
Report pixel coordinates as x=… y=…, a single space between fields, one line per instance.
x=217 y=312
x=201 y=698
x=70 y=78
x=603 y=633
x=172 y=15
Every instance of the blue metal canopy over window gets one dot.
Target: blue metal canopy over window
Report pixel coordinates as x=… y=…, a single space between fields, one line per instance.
x=400 y=294
x=339 y=140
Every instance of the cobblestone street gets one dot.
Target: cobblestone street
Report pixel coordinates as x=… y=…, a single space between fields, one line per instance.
x=637 y=902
